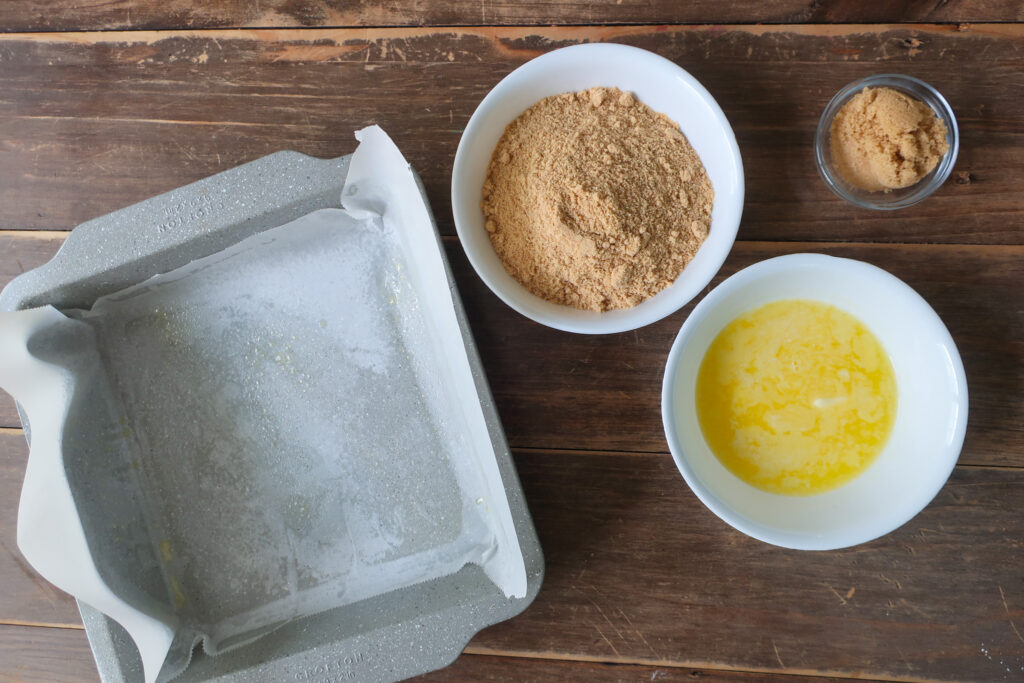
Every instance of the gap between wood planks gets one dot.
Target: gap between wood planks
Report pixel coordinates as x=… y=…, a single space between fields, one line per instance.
x=18 y=431
x=41 y=624
x=731 y=25
x=473 y=651
x=27 y=234
x=590 y=33
x=707 y=666
x=746 y=673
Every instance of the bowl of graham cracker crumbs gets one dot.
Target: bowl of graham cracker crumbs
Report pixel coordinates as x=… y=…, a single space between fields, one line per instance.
x=887 y=141
x=597 y=188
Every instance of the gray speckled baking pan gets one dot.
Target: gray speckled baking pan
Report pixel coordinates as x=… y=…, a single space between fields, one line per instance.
x=387 y=638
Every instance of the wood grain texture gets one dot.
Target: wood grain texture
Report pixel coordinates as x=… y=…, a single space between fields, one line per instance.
x=39 y=15
x=639 y=572
x=503 y=669
x=91 y=122
x=559 y=390
x=46 y=655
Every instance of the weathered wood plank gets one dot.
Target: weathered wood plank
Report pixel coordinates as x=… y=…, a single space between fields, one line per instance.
x=38 y=15
x=604 y=393
x=50 y=655
x=639 y=572
x=47 y=655
x=504 y=669
x=90 y=122
x=558 y=390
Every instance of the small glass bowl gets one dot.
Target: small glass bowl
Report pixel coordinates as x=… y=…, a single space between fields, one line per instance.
x=894 y=199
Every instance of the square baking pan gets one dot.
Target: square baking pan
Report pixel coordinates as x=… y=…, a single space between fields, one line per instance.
x=395 y=635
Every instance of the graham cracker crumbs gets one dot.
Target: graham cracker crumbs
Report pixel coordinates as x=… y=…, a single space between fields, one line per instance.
x=594 y=200
x=883 y=140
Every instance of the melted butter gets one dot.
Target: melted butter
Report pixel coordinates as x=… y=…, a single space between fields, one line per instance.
x=796 y=397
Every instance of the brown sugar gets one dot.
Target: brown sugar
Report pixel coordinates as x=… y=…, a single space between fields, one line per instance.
x=884 y=140
x=594 y=200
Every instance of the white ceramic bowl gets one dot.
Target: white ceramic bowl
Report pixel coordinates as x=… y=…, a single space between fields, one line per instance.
x=930 y=421
x=656 y=82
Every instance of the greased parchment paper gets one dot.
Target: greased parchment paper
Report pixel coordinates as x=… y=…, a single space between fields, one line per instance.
x=278 y=429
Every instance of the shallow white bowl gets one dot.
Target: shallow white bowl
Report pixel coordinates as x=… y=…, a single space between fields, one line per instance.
x=656 y=82
x=930 y=421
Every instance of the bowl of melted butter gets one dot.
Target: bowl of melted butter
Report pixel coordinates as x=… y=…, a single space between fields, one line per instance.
x=814 y=402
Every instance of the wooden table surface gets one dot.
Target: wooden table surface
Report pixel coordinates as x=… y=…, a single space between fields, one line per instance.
x=105 y=104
